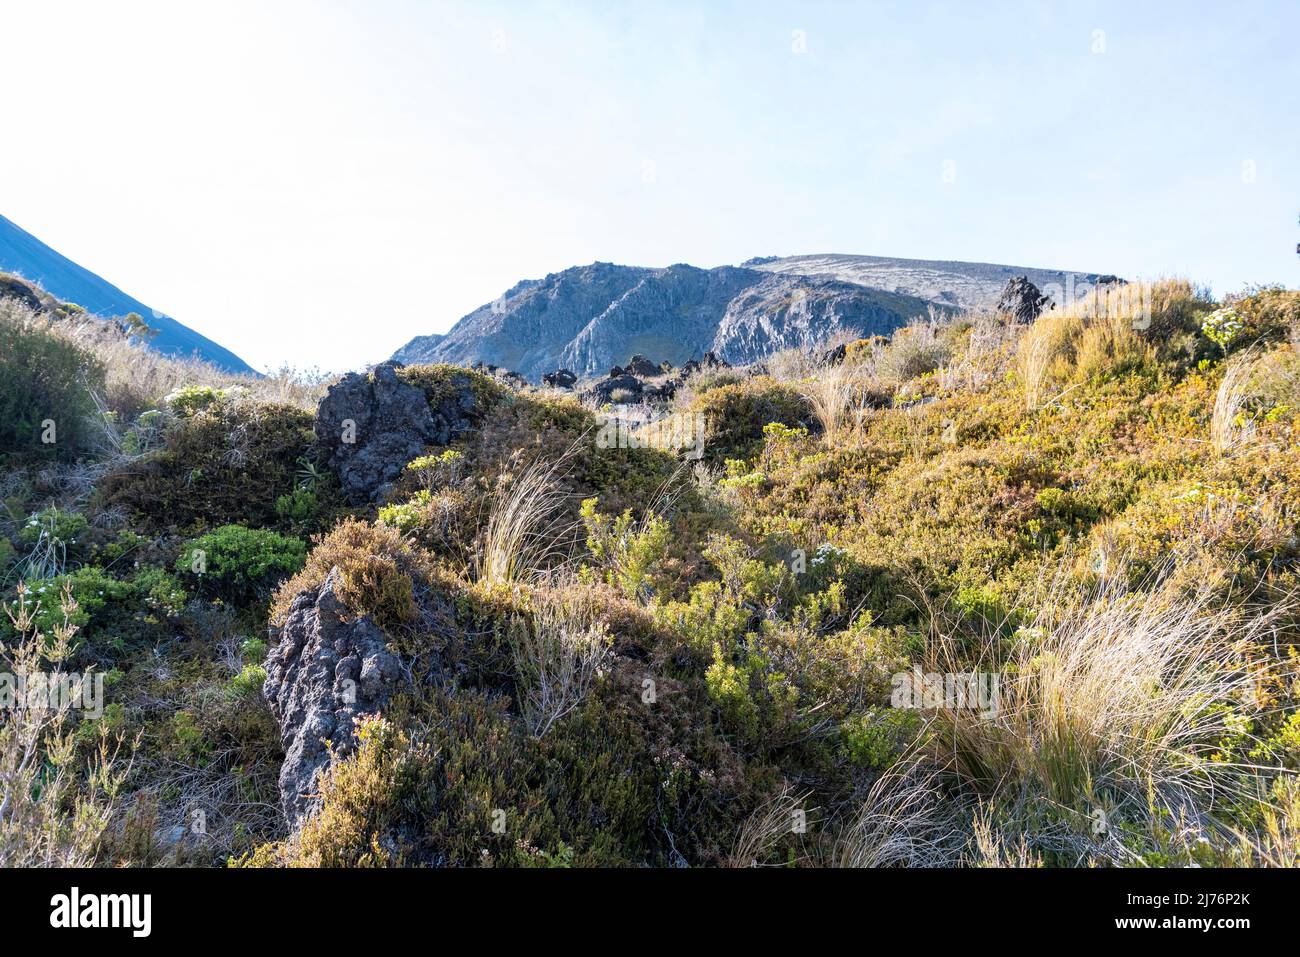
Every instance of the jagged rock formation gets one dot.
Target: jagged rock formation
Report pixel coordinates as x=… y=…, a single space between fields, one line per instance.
x=1022 y=300
x=709 y=361
x=323 y=672
x=370 y=426
x=639 y=365
x=560 y=379
x=590 y=318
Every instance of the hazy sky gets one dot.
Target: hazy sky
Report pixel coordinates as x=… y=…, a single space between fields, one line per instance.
x=318 y=182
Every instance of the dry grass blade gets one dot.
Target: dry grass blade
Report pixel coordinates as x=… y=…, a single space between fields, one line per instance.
x=905 y=821
x=525 y=532
x=558 y=655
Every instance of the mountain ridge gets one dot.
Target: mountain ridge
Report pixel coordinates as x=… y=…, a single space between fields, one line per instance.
x=591 y=317
x=28 y=257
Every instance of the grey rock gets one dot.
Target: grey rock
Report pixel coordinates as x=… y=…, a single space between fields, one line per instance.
x=560 y=379
x=12 y=287
x=391 y=424
x=639 y=365
x=604 y=389
x=588 y=318
x=1022 y=300
x=322 y=674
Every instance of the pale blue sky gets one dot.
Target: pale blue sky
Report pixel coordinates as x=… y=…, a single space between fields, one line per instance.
x=318 y=182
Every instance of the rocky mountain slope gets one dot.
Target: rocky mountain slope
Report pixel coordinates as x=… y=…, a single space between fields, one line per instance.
x=968 y=285
x=24 y=254
x=589 y=318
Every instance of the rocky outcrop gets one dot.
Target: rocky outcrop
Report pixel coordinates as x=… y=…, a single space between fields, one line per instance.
x=640 y=366
x=1022 y=300
x=560 y=379
x=370 y=426
x=834 y=357
x=624 y=382
x=11 y=287
x=710 y=361
x=323 y=673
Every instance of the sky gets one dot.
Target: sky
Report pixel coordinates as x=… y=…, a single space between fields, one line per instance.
x=314 y=183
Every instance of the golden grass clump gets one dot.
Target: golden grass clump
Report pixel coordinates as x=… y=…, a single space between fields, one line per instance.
x=526 y=531
x=378 y=571
x=1113 y=706
x=1045 y=357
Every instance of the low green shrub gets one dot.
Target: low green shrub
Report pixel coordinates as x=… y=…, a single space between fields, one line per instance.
x=241 y=564
x=47 y=389
x=228 y=462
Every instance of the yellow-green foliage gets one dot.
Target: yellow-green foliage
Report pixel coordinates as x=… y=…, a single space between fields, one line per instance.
x=628 y=551
x=735 y=414
x=378 y=571
x=441 y=382
x=1270 y=314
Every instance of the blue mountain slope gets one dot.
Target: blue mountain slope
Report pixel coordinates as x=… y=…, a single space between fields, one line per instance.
x=24 y=254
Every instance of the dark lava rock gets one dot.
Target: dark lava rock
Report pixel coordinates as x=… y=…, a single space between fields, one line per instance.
x=12 y=288
x=560 y=379
x=324 y=672
x=1022 y=300
x=639 y=365
x=370 y=426
x=605 y=388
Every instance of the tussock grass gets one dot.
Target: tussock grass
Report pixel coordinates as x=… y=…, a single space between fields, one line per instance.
x=139 y=378
x=526 y=530
x=1045 y=351
x=770 y=823
x=1227 y=434
x=905 y=821
x=834 y=395
x=1112 y=705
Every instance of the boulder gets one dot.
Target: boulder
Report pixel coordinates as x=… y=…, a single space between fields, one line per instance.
x=639 y=365
x=12 y=287
x=324 y=671
x=661 y=392
x=711 y=360
x=605 y=388
x=1022 y=300
x=370 y=426
x=834 y=357
x=560 y=379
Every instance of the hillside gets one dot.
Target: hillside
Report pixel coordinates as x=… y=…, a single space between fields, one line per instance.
x=983 y=593
x=589 y=318
x=23 y=254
